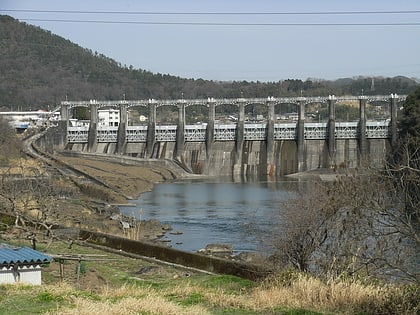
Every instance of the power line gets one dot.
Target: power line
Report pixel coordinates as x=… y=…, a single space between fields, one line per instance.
x=219 y=23
x=221 y=14
x=214 y=13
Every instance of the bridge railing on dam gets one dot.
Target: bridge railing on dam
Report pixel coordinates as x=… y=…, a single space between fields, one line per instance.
x=228 y=132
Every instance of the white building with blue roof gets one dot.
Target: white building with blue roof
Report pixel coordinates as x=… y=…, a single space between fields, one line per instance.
x=21 y=264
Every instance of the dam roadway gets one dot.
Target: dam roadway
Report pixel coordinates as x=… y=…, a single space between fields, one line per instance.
x=241 y=148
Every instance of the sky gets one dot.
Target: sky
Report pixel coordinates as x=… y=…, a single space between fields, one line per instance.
x=235 y=40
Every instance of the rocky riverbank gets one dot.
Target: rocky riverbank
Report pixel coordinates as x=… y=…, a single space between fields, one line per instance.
x=322 y=174
x=120 y=180
x=91 y=204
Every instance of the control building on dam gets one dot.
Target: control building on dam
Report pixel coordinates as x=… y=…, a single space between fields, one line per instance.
x=267 y=147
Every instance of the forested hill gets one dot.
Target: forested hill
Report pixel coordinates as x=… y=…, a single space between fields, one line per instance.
x=40 y=69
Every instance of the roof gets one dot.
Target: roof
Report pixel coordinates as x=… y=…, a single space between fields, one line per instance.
x=22 y=255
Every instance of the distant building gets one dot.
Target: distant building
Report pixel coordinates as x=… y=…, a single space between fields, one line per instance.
x=291 y=116
x=109 y=117
x=21 y=265
x=23 y=120
x=73 y=122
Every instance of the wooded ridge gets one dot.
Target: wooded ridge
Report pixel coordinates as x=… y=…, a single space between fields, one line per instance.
x=40 y=69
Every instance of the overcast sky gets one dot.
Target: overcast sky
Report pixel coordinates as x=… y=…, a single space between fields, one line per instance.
x=232 y=45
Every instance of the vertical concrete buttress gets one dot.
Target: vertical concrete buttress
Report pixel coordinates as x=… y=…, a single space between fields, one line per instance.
x=271 y=164
x=393 y=123
x=210 y=127
x=65 y=112
x=362 y=129
x=63 y=124
x=331 y=131
x=93 y=128
x=240 y=129
x=301 y=164
x=122 y=127
x=180 y=132
x=151 y=129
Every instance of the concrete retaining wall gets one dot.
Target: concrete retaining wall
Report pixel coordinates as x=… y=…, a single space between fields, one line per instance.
x=193 y=260
x=54 y=138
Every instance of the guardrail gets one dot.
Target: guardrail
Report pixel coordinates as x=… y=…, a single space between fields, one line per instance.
x=227 y=132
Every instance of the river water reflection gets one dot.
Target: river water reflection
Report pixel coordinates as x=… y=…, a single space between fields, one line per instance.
x=216 y=211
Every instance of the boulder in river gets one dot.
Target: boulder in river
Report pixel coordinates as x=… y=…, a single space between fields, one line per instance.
x=219 y=250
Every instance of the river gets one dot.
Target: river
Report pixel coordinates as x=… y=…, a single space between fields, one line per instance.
x=207 y=211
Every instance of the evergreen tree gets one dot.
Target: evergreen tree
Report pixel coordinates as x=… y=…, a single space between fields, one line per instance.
x=404 y=168
x=409 y=119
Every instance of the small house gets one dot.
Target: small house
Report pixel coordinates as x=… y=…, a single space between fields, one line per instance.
x=21 y=264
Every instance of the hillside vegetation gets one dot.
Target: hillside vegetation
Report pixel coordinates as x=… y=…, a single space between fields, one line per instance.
x=39 y=69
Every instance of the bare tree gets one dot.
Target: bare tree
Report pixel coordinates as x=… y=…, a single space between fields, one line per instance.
x=356 y=224
x=32 y=196
x=10 y=146
x=404 y=179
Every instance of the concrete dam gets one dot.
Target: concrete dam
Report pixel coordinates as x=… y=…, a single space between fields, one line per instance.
x=240 y=148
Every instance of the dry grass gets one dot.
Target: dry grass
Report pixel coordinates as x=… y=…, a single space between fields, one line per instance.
x=304 y=293
x=193 y=296
x=130 y=305
x=123 y=300
x=23 y=167
x=215 y=298
x=310 y=293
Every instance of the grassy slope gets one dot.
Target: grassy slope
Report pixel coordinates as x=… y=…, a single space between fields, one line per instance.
x=116 y=284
